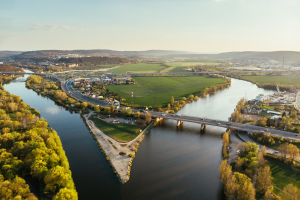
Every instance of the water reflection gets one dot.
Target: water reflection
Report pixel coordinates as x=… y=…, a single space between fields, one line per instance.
x=52 y=110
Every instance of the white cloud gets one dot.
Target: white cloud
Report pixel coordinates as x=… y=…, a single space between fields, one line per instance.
x=48 y=27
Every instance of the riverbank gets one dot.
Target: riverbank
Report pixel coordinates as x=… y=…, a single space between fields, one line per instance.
x=119 y=155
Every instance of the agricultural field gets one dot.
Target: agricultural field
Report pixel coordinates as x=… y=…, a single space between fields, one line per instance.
x=281 y=80
x=119 y=132
x=283 y=174
x=139 y=68
x=163 y=88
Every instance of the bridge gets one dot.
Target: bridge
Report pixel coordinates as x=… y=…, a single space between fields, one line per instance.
x=177 y=117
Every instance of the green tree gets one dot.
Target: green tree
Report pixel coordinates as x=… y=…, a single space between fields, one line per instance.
x=107 y=111
x=66 y=194
x=172 y=101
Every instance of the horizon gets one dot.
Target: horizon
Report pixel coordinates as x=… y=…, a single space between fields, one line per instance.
x=196 y=26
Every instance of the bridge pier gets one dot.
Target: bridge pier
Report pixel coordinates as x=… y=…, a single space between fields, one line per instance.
x=203 y=127
x=179 y=123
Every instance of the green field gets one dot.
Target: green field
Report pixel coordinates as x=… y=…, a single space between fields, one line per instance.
x=139 y=68
x=179 y=66
x=119 y=132
x=283 y=174
x=282 y=80
x=163 y=88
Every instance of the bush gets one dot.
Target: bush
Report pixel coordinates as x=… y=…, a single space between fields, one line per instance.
x=132 y=155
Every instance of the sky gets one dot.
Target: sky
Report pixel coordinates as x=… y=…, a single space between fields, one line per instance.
x=203 y=26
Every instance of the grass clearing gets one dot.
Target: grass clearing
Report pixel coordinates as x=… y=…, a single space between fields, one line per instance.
x=283 y=174
x=119 y=132
x=139 y=68
x=282 y=80
x=163 y=88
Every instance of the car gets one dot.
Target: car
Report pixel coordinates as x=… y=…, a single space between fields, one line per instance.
x=238 y=151
x=266 y=129
x=276 y=151
x=164 y=114
x=218 y=124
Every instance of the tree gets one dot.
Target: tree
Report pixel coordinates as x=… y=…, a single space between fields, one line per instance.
x=148 y=117
x=106 y=111
x=290 y=192
x=263 y=150
x=243 y=186
x=191 y=97
x=112 y=106
x=225 y=138
x=97 y=109
x=260 y=158
x=264 y=179
x=284 y=120
x=66 y=194
x=283 y=150
x=172 y=101
x=293 y=151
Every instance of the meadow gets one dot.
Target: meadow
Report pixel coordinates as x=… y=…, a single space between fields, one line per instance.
x=283 y=174
x=163 y=88
x=139 y=68
x=281 y=80
x=119 y=132
x=179 y=66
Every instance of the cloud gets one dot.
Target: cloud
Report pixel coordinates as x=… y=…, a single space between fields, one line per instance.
x=48 y=27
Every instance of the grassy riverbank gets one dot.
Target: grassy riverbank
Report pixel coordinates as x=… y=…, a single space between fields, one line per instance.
x=162 y=89
x=119 y=132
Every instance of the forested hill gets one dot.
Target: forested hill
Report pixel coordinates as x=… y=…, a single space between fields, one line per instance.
x=95 y=60
x=9 y=68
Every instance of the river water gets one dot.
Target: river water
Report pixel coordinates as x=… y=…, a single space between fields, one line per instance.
x=170 y=163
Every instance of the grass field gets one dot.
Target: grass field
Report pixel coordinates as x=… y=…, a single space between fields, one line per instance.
x=139 y=68
x=179 y=66
x=282 y=80
x=119 y=132
x=283 y=174
x=163 y=88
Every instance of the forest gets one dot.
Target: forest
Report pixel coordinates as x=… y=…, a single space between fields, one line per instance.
x=31 y=153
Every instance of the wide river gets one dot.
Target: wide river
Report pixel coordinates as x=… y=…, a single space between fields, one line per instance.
x=170 y=163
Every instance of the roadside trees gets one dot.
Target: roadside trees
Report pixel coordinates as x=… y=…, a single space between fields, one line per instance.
x=293 y=151
x=107 y=111
x=283 y=150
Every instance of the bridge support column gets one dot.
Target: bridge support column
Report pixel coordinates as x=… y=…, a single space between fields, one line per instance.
x=179 y=123
x=203 y=126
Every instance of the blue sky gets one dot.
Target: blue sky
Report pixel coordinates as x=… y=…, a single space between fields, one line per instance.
x=191 y=25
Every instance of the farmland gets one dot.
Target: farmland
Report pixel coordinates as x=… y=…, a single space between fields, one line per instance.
x=119 y=132
x=280 y=80
x=163 y=88
x=139 y=68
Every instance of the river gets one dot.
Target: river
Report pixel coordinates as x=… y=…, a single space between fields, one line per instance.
x=170 y=163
